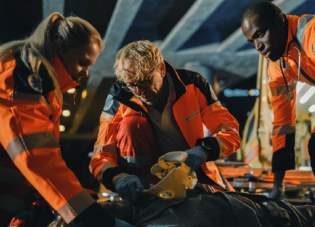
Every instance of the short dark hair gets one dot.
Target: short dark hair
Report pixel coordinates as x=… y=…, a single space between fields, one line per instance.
x=266 y=10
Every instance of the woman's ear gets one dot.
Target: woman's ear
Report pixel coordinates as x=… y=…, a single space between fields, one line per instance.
x=56 y=47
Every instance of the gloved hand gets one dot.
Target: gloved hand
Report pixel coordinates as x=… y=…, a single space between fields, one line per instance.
x=121 y=223
x=196 y=156
x=129 y=187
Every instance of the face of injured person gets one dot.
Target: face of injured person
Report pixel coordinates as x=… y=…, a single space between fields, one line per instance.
x=147 y=90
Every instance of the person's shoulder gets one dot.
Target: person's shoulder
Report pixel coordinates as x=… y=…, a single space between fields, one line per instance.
x=292 y=17
x=116 y=86
x=189 y=77
x=298 y=22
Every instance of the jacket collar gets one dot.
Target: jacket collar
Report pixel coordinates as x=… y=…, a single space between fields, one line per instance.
x=64 y=79
x=179 y=86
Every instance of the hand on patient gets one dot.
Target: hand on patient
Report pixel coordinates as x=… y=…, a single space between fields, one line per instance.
x=196 y=156
x=129 y=187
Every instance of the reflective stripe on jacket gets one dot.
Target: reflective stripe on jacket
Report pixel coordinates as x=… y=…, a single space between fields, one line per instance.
x=302 y=30
x=29 y=141
x=195 y=106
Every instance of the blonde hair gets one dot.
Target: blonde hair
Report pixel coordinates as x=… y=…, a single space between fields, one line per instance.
x=143 y=56
x=37 y=49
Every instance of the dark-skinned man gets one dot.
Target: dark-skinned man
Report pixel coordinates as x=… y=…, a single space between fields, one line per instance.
x=288 y=41
x=153 y=109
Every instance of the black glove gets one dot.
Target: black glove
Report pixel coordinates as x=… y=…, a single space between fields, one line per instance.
x=196 y=156
x=129 y=187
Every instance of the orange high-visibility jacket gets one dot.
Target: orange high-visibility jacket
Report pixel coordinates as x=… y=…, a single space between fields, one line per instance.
x=194 y=106
x=301 y=30
x=30 y=155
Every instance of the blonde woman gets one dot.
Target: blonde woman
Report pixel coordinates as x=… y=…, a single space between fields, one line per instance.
x=34 y=74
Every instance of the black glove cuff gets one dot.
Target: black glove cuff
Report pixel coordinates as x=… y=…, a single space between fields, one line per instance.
x=108 y=175
x=210 y=142
x=94 y=215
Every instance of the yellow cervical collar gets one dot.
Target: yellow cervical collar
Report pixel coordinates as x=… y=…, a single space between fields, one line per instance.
x=175 y=175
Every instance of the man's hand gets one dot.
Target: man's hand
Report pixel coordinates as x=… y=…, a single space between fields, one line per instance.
x=196 y=156
x=129 y=187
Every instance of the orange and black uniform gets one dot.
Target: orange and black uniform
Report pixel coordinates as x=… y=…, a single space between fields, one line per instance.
x=195 y=105
x=30 y=160
x=283 y=74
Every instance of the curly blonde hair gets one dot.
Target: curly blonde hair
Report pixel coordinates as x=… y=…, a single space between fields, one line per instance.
x=142 y=55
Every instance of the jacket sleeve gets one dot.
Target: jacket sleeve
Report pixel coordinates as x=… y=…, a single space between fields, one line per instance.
x=26 y=134
x=284 y=118
x=104 y=163
x=305 y=34
x=223 y=127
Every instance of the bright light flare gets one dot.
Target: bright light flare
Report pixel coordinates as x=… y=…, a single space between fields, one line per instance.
x=84 y=93
x=299 y=86
x=310 y=92
x=62 y=128
x=66 y=113
x=311 y=109
x=71 y=91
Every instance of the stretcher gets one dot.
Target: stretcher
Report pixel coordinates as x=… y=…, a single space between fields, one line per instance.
x=299 y=185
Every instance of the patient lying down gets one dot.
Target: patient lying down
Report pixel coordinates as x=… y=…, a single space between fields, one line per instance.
x=205 y=208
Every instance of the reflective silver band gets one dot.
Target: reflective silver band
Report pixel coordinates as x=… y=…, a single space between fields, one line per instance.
x=103 y=168
x=97 y=149
x=75 y=206
x=31 y=141
x=138 y=161
x=221 y=144
x=15 y=148
x=31 y=97
x=283 y=129
x=280 y=90
x=301 y=28
x=111 y=148
x=107 y=116
x=224 y=127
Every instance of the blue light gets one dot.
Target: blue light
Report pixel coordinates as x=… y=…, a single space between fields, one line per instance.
x=241 y=92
